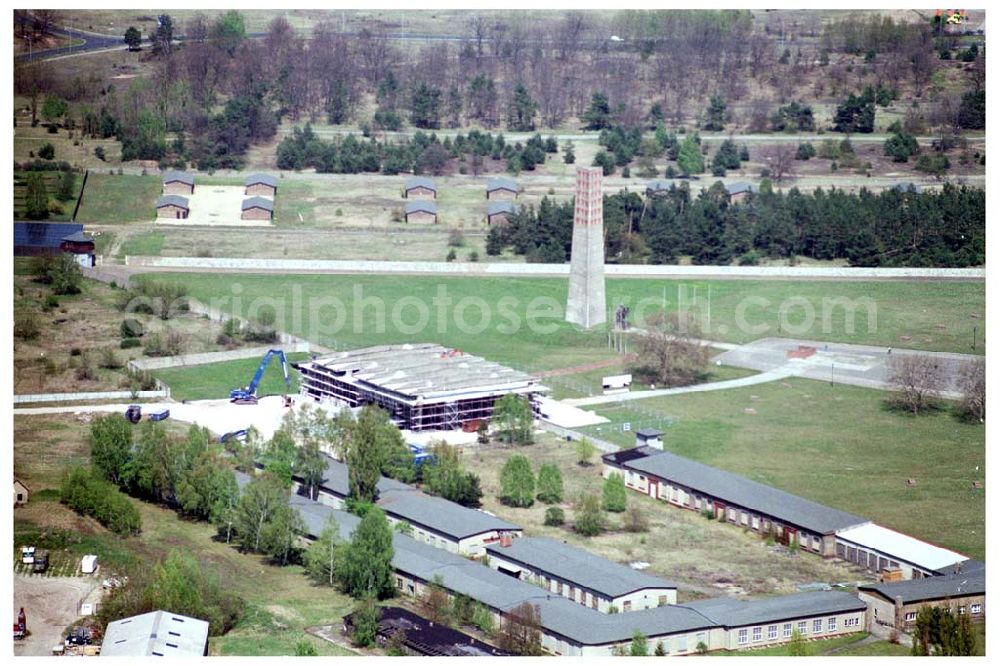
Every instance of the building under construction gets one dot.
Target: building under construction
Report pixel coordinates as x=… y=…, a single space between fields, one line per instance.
x=422 y=386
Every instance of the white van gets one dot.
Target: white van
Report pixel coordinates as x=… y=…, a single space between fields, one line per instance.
x=89 y=564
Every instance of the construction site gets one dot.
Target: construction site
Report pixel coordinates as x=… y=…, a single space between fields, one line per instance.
x=422 y=386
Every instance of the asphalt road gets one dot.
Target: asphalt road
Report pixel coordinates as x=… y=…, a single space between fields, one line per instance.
x=91 y=42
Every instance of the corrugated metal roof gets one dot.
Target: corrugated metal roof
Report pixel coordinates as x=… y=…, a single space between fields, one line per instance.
x=156 y=634
x=178 y=177
x=261 y=178
x=78 y=237
x=737 y=188
x=729 y=612
x=43 y=234
x=420 y=206
x=501 y=183
x=501 y=206
x=734 y=489
x=259 y=202
x=900 y=546
x=934 y=587
x=419 y=181
x=578 y=566
x=440 y=515
x=172 y=200
x=658 y=186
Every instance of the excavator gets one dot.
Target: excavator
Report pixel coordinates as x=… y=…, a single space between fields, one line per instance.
x=248 y=395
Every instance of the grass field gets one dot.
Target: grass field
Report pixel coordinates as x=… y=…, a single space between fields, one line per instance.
x=813 y=648
x=935 y=315
x=280 y=601
x=705 y=557
x=213 y=381
x=111 y=199
x=837 y=445
x=876 y=649
x=145 y=244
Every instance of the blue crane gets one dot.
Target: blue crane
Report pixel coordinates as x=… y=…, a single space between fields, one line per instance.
x=248 y=395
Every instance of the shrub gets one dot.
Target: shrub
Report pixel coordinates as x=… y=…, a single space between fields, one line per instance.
x=99 y=153
x=555 y=516
x=47 y=151
x=51 y=302
x=86 y=494
x=131 y=328
x=456 y=238
x=129 y=343
x=86 y=370
x=451 y=255
x=474 y=256
x=109 y=359
x=635 y=520
x=26 y=326
x=806 y=151
x=933 y=164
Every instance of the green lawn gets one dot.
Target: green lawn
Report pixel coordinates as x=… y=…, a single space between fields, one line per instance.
x=837 y=445
x=935 y=315
x=149 y=244
x=214 y=380
x=877 y=649
x=111 y=199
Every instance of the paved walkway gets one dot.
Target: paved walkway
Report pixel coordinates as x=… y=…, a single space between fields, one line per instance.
x=762 y=378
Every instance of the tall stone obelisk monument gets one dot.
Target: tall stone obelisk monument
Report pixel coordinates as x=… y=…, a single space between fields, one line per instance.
x=585 y=305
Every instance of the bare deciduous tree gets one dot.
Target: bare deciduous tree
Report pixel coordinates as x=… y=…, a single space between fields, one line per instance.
x=972 y=383
x=521 y=631
x=780 y=158
x=670 y=349
x=917 y=380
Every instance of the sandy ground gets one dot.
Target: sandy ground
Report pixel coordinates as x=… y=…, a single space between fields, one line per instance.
x=221 y=416
x=216 y=205
x=50 y=605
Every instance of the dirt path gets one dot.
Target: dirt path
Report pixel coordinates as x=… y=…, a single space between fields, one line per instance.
x=764 y=377
x=50 y=604
x=576 y=369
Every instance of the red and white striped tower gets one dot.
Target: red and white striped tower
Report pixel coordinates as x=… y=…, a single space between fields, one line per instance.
x=585 y=304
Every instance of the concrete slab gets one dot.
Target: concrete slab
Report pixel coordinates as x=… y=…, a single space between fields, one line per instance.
x=216 y=205
x=858 y=365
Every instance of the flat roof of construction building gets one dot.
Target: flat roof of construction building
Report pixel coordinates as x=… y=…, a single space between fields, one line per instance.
x=900 y=546
x=427 y=372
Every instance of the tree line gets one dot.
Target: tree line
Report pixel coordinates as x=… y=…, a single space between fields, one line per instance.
x=943 y=228
x=216 y=92
x=423 y=153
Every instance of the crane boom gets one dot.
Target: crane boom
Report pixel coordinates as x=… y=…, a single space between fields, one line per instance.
x=248 y=396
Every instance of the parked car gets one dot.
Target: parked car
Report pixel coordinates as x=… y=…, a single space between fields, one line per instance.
x=41 y=564
x=28 y=554
x=80 y=636
x=159 y=415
